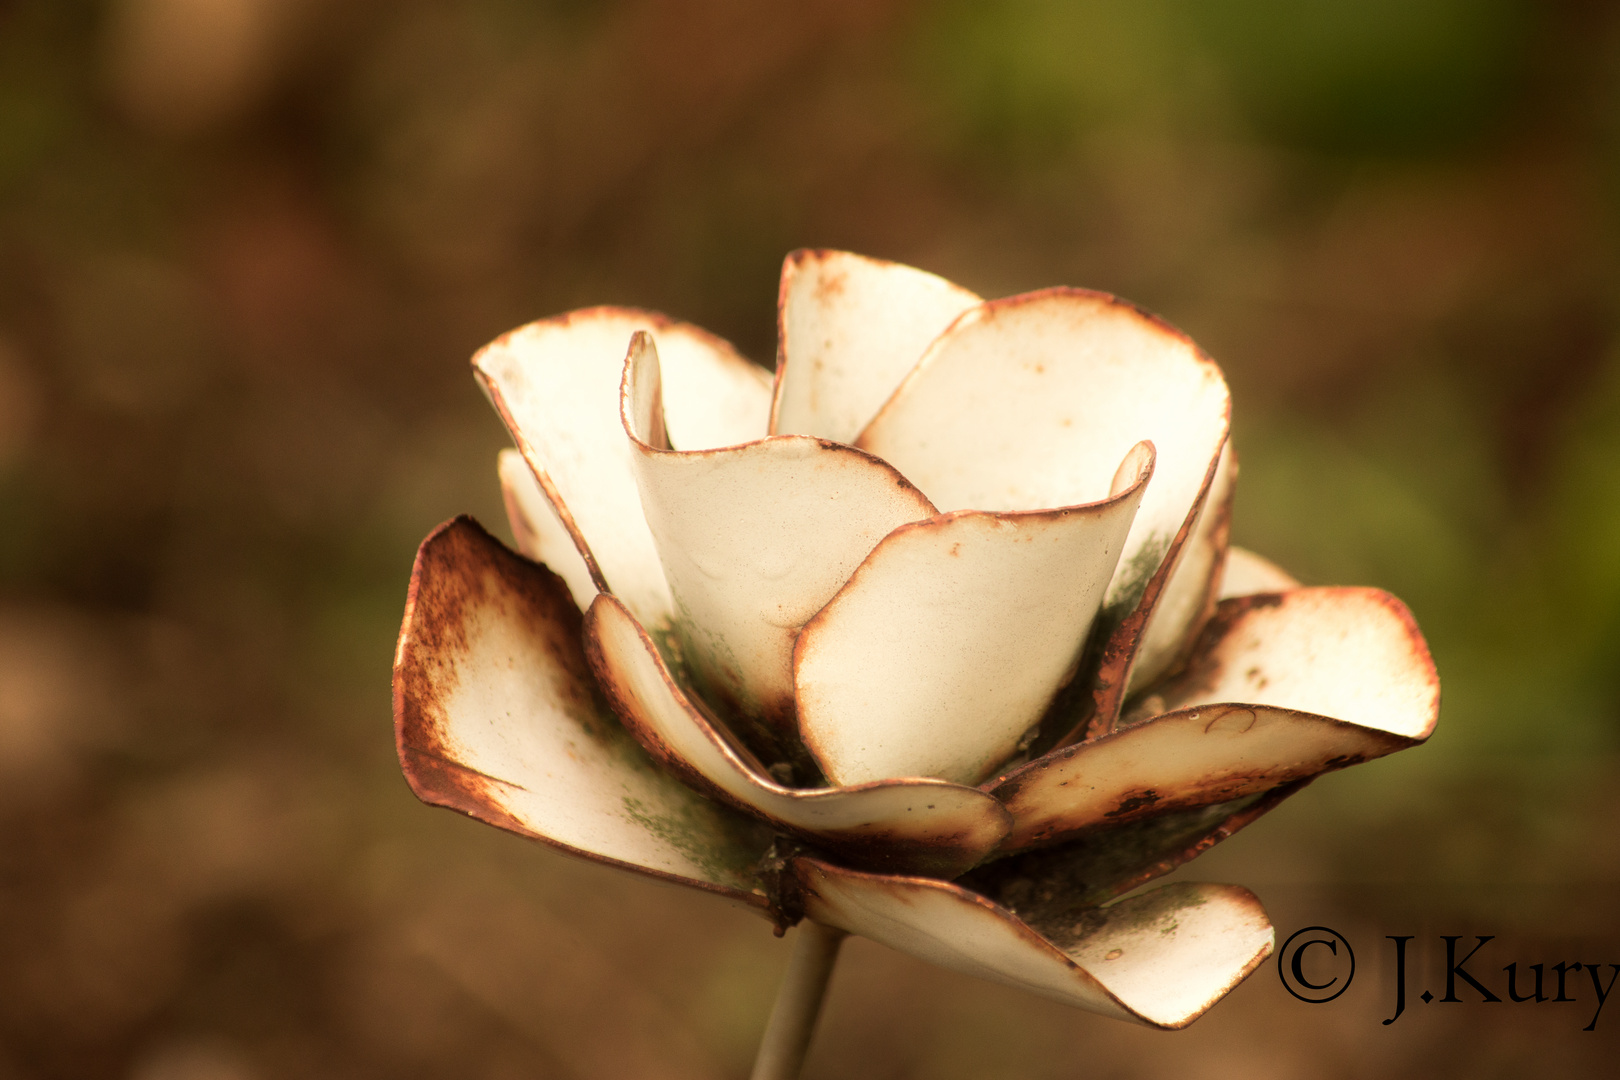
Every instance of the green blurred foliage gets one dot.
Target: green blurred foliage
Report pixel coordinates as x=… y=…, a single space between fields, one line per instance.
x=1374 y=76
x=1025 y=77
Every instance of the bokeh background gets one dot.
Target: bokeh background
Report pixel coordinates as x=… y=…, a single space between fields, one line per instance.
x=246 y=247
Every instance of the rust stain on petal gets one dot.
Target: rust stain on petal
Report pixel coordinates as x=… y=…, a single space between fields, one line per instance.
x=497 y=717
x=1176 y=761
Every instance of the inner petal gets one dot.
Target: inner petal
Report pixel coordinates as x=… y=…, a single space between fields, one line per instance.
x=754 y=540
x=1078 y=377
x=556 y=385
x=1189 y=595
x=850 y=329
x=538 y=532
x=941 y=653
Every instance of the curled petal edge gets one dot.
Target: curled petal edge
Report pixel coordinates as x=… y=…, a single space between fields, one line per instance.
x=911 y=669
x=754 y=539
x=557 y=768
x=912 y=825
x=1161 y=958
x=1278 y=690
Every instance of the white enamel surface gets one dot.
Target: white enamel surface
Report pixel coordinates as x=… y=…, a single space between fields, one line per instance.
x=947 y=644
x=536 y=529
x=1247 y=573
x=755 y=539
x=914 y=824
x=1351 y=653
x=1282 y=688
x=1176 y=951
x=851 y=327
x=1030 y=402
x=1189 y=596
x=556 y=384
x=495 y=717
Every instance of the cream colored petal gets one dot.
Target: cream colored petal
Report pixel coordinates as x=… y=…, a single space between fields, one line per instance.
x=945 y=647
x=556 y=384
x=850 y=328
x=537 y=530
x=1161 y=958
x=1247 y=573
x=910 y=826
x=754 y=540
x=1030 y=403
x=1027 y=403
x=496 y=717
x=1189 y=595
x=1280 y=688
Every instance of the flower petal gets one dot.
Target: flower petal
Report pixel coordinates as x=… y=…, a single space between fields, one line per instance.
x=1078 y=378
x=537 y=530
x=850 y=328
x=1161 y=958
x=910 y=826
x=1281 y=687
x=556 y=384
x=942 y=651
x=1030 y=402
x=1246 y=573
x=1188 y=599
x=755 y=539
x=495 y=716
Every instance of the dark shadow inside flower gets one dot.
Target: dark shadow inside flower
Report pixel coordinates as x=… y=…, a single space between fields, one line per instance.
x=1107 y=861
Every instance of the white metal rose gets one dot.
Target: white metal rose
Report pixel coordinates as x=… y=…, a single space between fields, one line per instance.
x=941 y=643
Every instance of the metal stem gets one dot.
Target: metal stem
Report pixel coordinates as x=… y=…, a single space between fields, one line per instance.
x=798 y=1003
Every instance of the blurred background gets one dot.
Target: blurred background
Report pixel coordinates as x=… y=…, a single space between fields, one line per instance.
x=247 y=246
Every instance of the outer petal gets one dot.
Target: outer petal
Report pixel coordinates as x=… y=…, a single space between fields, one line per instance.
x=911 y=826
x=495 y=716
x=556 y=384
x=1255 y=709
x=939 y=656
x=1246 y=573
x=1161 y=958
x=755 y=539
x=1028 y=402
x=849 y=329
x=537 y=530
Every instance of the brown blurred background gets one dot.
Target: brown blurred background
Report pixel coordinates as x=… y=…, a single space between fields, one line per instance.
x=246 y=247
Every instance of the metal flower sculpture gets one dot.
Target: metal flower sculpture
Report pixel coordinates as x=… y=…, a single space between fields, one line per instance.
x=939 y=642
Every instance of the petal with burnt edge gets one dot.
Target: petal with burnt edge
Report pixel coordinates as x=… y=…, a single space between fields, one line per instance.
x=1280 y=688
x=556 y=385
x=496 y=716
x=755 y=539
x=943 y=650
x=849 y=329
x=1160 y=958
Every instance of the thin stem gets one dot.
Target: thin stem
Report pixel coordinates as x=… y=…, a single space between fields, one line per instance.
x=798 y=1003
